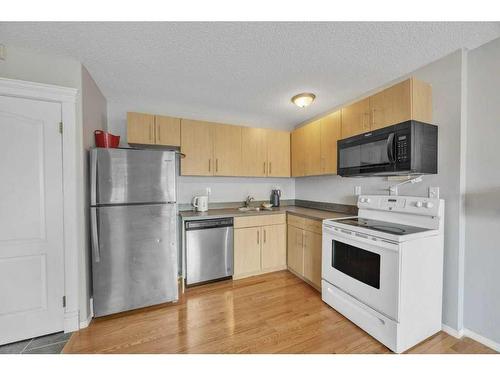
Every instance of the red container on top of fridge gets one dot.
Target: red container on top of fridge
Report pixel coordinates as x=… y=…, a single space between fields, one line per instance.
x=106 y=140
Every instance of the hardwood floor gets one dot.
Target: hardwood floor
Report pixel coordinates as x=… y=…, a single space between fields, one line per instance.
x=272 y=313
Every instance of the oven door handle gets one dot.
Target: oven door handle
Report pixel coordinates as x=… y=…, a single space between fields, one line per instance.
x=390 y=148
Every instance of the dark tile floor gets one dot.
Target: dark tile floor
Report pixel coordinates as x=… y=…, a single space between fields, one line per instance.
x=49 y=344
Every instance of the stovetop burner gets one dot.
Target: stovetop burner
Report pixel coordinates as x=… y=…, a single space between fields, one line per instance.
x=382 y=226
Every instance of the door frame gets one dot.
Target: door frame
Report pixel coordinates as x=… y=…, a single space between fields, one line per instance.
x=72 y=198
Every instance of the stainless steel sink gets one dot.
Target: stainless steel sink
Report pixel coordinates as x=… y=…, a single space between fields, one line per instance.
x=244 y=209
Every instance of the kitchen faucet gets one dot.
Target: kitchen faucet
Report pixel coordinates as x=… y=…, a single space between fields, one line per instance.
x=248 y=200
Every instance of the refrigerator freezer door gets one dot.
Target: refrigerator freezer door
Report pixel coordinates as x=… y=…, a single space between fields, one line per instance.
x=123 y=176
x=137 y=264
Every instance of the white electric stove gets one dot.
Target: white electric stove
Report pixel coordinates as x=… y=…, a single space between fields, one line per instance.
x=383 y=269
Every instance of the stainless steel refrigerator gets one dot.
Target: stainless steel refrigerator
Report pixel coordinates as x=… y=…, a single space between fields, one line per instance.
x=133 y=228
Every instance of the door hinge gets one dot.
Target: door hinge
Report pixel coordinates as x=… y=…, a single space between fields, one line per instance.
x=64 y=301
x=60 y=127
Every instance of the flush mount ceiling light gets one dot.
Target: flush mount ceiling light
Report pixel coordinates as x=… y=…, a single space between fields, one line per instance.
x=304 y=99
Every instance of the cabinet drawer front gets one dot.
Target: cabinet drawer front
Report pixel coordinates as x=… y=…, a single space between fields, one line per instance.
x=313 y=225
x=296 y=221
x=257 y=221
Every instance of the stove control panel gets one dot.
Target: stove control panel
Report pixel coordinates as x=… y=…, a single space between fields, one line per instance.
x=403 y=204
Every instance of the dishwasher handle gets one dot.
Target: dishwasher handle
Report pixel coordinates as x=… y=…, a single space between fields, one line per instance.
x=208 y=224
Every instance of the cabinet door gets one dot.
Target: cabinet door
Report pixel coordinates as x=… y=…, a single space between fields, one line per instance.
x=295 y=250
x=168 y=131
x=356 y=118
x=278 y=153
x=140 y=128
x=298 y=152
x=274 y=247
x=312 y=257
x=330 y=134
x=227 y=150
x=391 y=106
x=196 y=144
x=253 y=152
x=312 y=144
x=247 y=257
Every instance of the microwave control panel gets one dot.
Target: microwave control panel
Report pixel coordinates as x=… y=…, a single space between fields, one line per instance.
x=402 y=148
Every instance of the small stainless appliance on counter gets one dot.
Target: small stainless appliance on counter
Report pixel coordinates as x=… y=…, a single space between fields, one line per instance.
x=209 y=250
x=134 y=229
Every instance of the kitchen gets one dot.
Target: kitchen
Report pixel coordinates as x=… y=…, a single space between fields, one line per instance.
x=246 y=238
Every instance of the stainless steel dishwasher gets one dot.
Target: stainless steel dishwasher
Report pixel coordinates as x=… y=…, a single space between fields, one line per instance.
x=209 y=250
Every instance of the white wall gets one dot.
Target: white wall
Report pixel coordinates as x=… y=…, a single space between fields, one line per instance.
x=482 y=255
x=445 y=77
x=94 y=117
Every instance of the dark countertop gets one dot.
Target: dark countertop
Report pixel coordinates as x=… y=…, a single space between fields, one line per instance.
x=309 y=213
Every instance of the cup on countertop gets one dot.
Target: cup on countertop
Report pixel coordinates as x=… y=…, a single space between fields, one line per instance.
x=200 y=203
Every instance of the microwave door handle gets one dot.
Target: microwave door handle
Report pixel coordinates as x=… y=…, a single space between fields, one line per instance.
x=390 y=148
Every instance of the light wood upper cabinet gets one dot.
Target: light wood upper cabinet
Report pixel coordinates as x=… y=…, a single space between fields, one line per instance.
x=312 y=257
x=146 y=129
x=167 y=131
x=331 y=128
x=197 y=145
x=298 y=150
x=247 y=254
x=278 y=153
x=407 y=100
x=254 y=152
x=312 y=144
x=356 y=118
x=227 y=150
x=140 y=128
x=273 y=247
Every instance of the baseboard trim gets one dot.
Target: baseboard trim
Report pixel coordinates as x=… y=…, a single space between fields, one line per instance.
x=452 y=331
x=483 y=340
x=86 y=322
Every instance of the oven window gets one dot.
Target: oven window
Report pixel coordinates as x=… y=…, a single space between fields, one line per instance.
x=360 y=264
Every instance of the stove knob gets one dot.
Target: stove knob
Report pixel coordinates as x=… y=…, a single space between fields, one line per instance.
x=428 y=205
x=418 y=204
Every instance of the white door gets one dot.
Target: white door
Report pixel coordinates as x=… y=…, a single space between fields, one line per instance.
x=31 y=225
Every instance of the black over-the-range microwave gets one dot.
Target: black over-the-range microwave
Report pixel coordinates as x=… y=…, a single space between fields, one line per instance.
x=408 y=148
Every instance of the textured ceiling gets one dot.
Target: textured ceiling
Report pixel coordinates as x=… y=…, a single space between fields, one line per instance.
x=246 y=72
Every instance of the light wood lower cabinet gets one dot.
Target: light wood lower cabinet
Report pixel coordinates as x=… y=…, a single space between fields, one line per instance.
x=273 y=247
x=304 y=249
x=259 y=249
x=295 y=250
x=247 y=251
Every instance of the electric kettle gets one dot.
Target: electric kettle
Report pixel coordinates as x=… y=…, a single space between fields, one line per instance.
x=200 y=203
x=275 y=197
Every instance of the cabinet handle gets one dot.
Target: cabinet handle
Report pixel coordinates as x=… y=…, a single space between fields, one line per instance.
x=264 y=236
x=217 y=165
x=258 y=235
x=264 y=168
x=270 y=165
x=209 y=164
x=151 y=132
x=373 y=118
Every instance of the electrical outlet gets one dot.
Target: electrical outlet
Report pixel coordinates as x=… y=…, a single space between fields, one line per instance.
x=357 y=190
x=208 y=191
x=433 y=192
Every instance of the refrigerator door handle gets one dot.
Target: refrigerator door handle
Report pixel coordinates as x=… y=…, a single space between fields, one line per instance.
x=93 y=177
x=95 y=235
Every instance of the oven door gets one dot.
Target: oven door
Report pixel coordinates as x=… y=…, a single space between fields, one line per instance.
x=368 y=154
x=364 y=268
